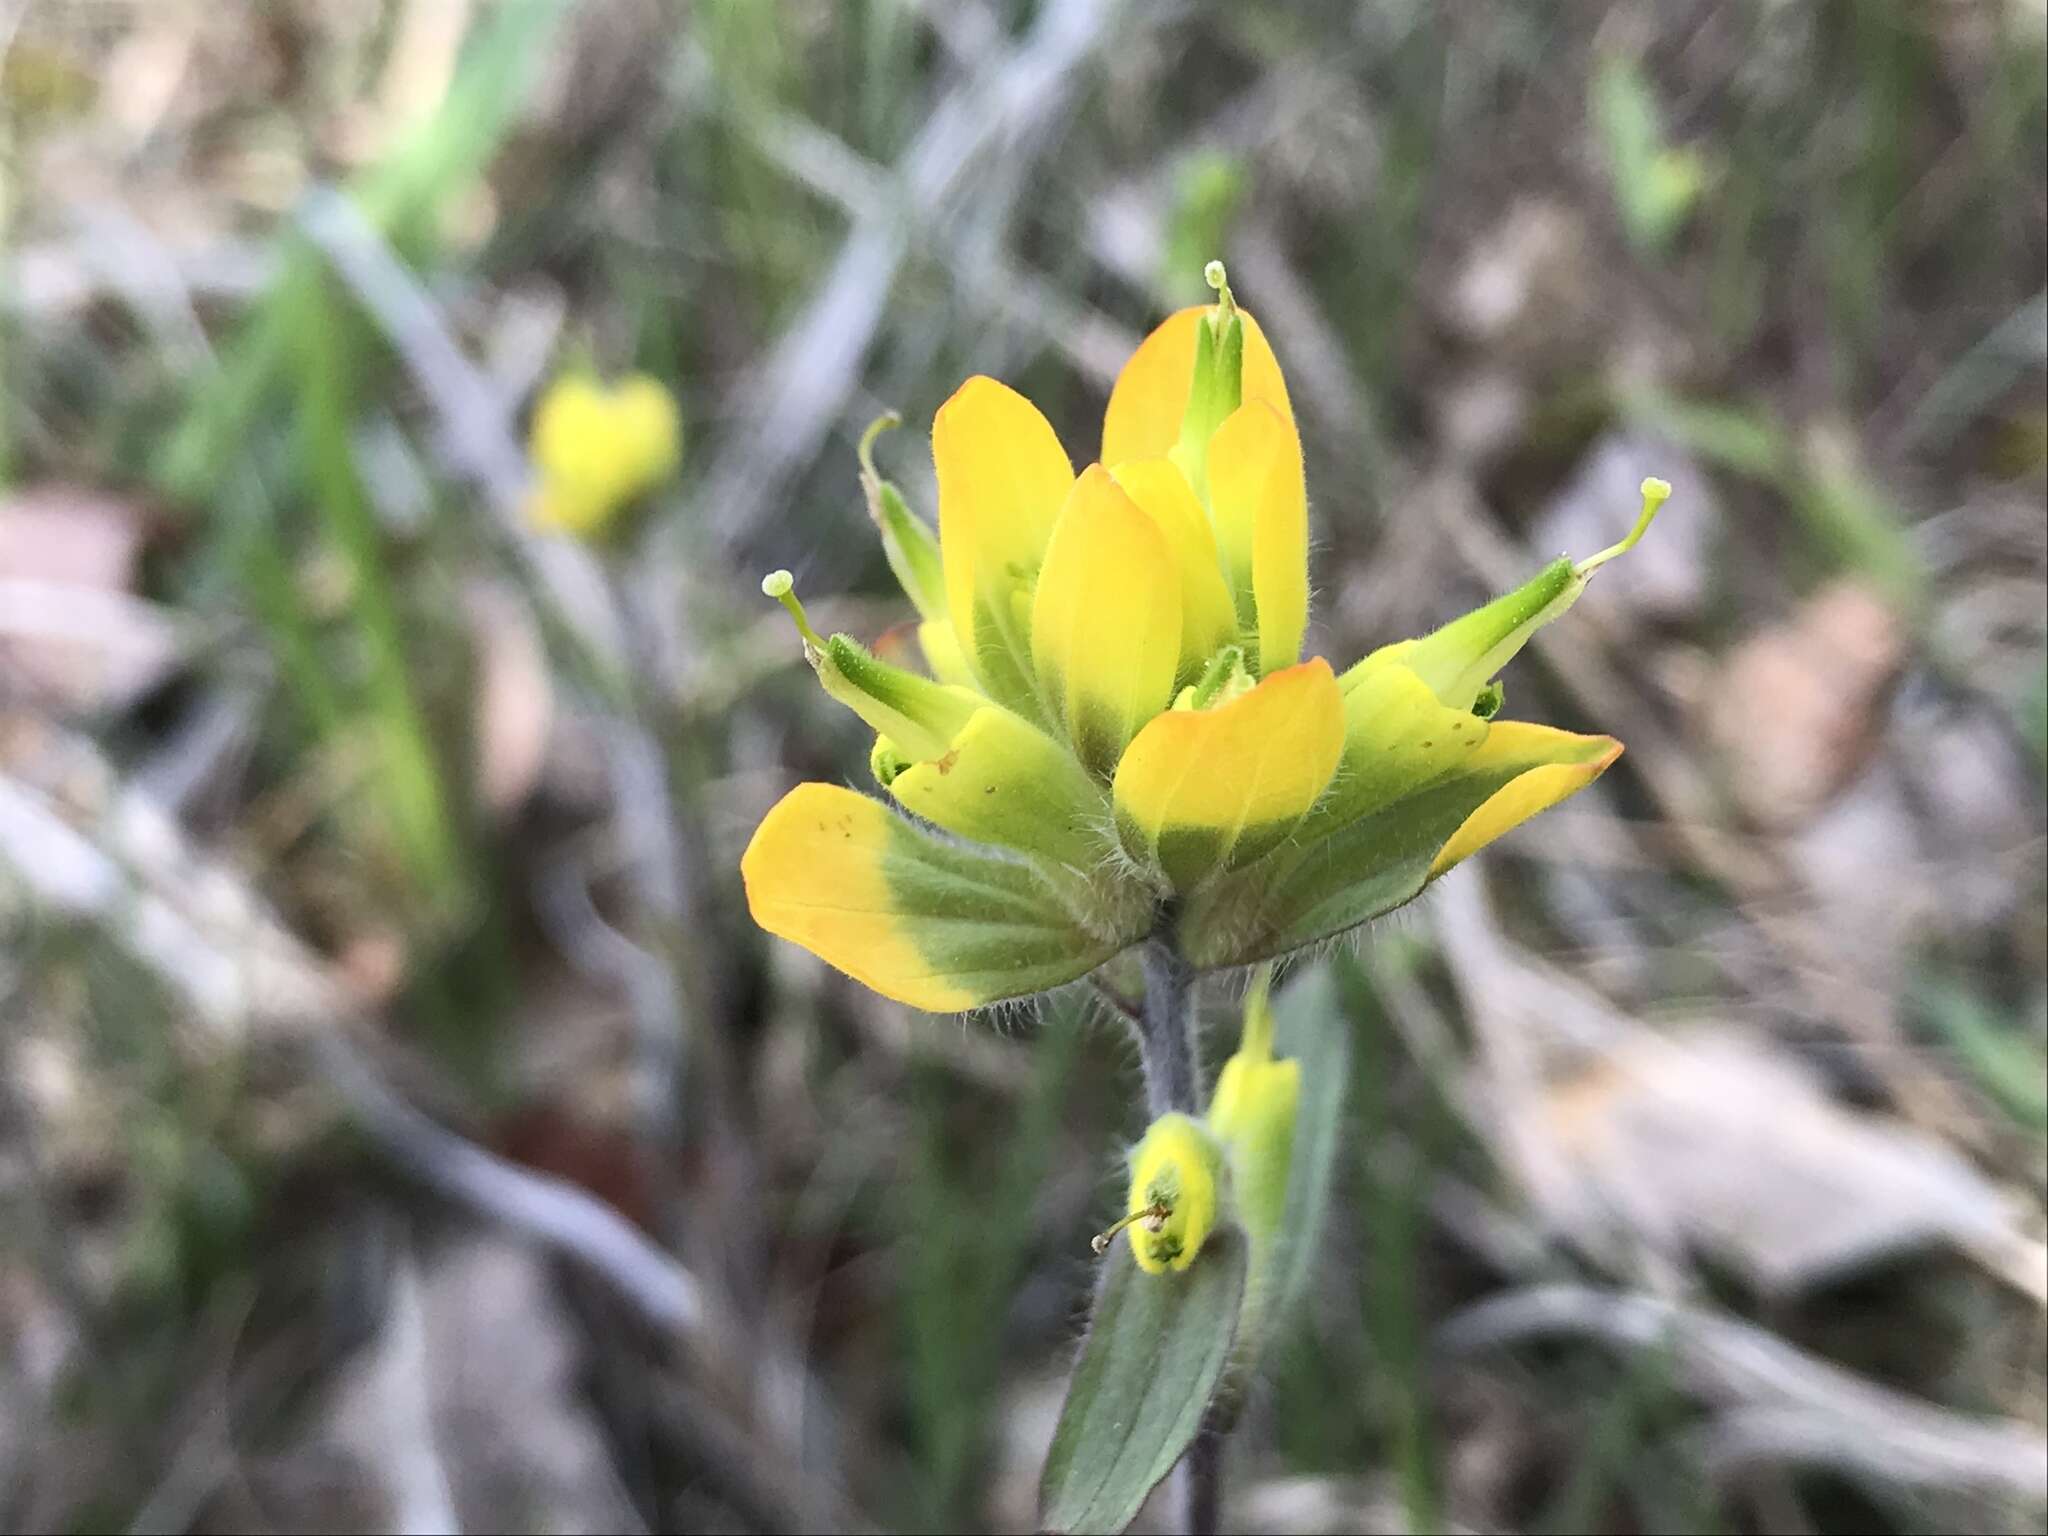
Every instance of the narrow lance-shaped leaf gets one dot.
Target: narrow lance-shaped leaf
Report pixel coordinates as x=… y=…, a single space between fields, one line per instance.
x=1309 y=1027
x=1153 y=1360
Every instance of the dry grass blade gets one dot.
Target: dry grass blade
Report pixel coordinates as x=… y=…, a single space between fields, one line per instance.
x=189 y=919
x=803 y=379
x=1780 y=1401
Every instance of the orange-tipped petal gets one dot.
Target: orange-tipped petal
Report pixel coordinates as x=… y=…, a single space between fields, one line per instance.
x=1204 y=789
x=1530 y=793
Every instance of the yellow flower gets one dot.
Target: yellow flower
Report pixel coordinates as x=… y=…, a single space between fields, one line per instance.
x=1174 y=1197
x=1119 y=729
x=596 y=451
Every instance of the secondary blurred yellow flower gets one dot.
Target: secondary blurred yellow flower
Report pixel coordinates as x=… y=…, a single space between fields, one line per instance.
x=1119 y=729
x=597 y=451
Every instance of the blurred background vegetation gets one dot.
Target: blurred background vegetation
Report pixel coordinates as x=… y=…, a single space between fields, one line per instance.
x=402 y=1125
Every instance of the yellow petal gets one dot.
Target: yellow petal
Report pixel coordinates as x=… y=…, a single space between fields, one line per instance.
x=1151 y=394
x=915 y=917
x=1208 y=619
x=596 y=450
x=814 y=874
x=1003 y=478
x=1259 y=503
x=1106 y=622
x=941 y=647
x=1538 y=789
x=1202 y=789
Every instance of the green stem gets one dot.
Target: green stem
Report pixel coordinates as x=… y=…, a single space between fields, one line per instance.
x=1166 y=1035
x=1198 y=1485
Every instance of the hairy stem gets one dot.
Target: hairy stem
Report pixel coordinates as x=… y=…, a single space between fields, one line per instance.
x=1173 y=1081
x=1198 y=1485
x=1167 y=1034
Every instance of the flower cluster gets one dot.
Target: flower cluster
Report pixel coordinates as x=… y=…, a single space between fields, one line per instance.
x=1118 y=733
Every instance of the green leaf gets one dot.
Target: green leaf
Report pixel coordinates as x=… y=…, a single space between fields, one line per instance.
x=1152 y=1361
x=1308 y=1025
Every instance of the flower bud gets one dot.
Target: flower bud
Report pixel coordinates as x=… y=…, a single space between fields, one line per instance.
x=1174 y=1198
x=1253 y=1114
